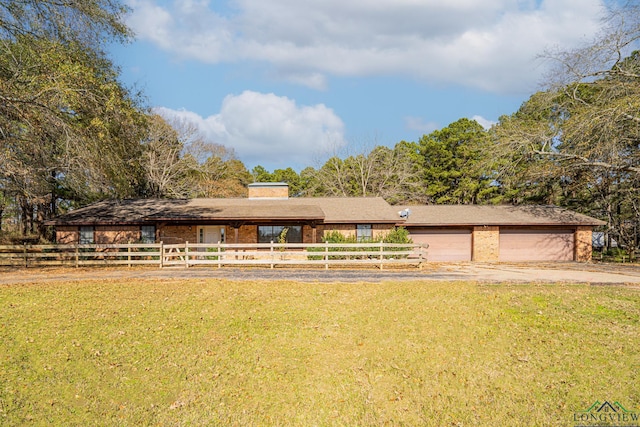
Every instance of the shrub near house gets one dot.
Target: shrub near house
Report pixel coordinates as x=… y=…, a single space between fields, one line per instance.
x=396 y=235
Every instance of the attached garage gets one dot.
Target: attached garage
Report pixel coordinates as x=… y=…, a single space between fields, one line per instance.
x=536 y=245
x=444 y=245
x=486 y=233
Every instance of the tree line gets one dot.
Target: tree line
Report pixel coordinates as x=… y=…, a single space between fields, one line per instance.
x=71 y=134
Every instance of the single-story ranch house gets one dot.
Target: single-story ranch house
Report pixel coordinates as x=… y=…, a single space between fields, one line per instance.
x=453 y=233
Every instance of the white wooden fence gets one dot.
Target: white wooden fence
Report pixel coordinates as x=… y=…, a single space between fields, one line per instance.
x=218 y=255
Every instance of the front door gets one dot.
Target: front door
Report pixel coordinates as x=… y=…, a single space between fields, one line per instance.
x=210 y=234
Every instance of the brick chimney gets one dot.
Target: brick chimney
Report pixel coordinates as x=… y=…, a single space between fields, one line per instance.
x=269 y=190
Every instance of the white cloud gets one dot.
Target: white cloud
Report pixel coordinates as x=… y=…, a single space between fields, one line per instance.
x=489 y=45
x=269 y=130
x=152 y=22
x=485 y=123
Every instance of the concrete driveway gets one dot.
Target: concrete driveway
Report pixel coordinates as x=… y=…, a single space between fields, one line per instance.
x=550 y=273
x=487 y=273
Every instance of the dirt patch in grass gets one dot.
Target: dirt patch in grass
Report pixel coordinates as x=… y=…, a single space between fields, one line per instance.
x=216 y=352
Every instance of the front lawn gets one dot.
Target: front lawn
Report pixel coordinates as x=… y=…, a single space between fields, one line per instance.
x=211 y=352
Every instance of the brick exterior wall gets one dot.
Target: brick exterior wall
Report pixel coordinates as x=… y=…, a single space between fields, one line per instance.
x=381 y=230
x=175 y=234
x=116 y=234
x=308 y=235
x=583 y=244
x=67 y=234
x=247 y=234
x=280 y=192
x=102 y=234
x=486 y=243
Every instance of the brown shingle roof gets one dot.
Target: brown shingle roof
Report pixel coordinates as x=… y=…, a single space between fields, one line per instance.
x=139 y=211
x=239 y=210
x=346 y=210
x=354 y=209
x=469 y=215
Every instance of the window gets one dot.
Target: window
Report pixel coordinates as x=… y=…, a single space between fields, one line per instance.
x=86 y=235
x=271 y=233
x=363 y=232
x=148 y=234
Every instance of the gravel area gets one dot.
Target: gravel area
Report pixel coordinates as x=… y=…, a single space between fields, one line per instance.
x=595 y=273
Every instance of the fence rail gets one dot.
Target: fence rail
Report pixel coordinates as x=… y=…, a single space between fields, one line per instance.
x=219 y=255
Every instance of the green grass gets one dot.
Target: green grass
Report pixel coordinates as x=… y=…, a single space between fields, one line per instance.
x=210 y=352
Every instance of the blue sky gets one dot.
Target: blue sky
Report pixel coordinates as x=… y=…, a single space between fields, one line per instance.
x=291 y=82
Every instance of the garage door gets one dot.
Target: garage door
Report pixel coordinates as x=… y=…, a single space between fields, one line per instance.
x=444 y=245
x=539 y=245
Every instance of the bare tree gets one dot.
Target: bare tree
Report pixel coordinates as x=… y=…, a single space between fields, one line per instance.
x=182 y=162
x=166 y=170
x=585 y=127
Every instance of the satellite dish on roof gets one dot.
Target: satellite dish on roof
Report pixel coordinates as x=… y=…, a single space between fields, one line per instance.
x=404 y=213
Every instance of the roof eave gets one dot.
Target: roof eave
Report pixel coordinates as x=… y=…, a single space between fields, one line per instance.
x=93 y=223
x=503 y=224
x=362 y=221
x=234 y=219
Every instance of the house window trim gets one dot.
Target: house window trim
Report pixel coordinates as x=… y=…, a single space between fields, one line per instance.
x=142 y=234
x=274 y=237
x=82 y=236
x=360 y=237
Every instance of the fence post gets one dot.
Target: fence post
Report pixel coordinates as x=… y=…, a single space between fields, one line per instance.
x=186 y=254
x=381 y=257
x=24 y=253
x=271 y=249
x=77 y=255
x=129 y=254
x=219 y=254
x=326 y=255
x=161 y=254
